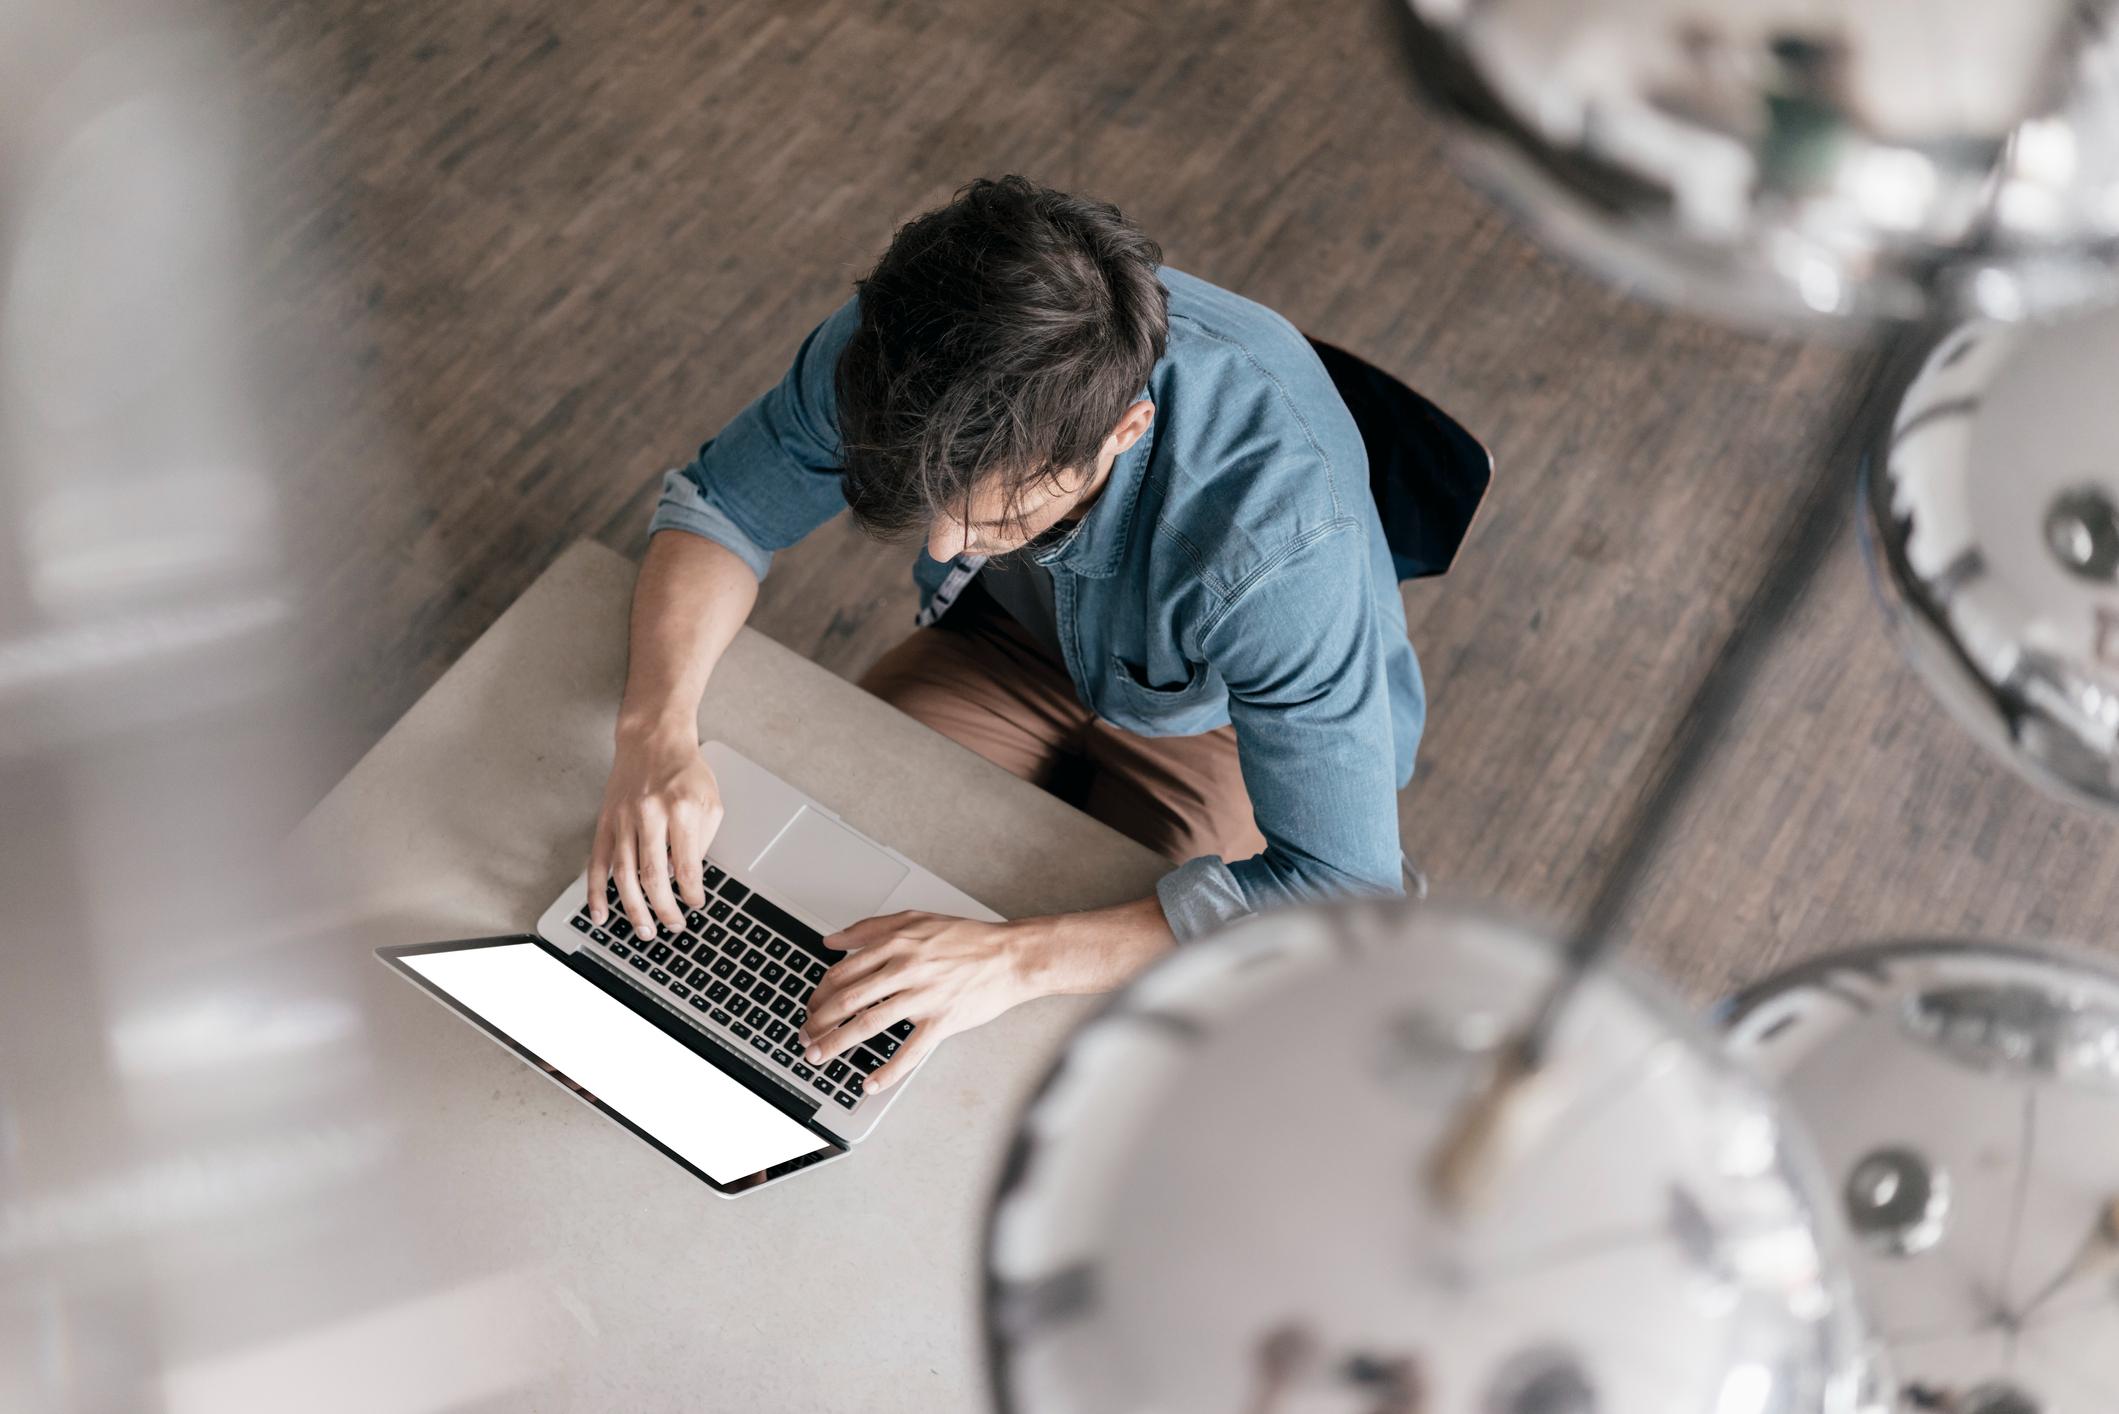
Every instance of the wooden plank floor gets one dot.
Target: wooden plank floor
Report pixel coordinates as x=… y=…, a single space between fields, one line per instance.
x=534 y=252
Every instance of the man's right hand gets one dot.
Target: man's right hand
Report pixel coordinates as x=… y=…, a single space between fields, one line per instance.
x=661 y=807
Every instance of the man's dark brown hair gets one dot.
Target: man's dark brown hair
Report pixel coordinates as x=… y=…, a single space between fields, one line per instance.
x=1001 y=337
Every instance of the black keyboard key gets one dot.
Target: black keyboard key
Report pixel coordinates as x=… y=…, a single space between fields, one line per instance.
x=743 y=981
x=815 y=972
x=780 y=1006
x=777 y=1030
x=776 y=948
x=659 y=975
x=739 y=924
x=681 y=990
x=795 y=986
x=802 y=1072
x=622 y=926
x=581 y=924
x=714 y=933
x=759 y=1043
x=732 y=947
x=684 y=942
x=719 y=991
x=742 y=1031
x=599 y=935
x=718 y=911
x=699 y=1001
x=753 y=959
x=713 y=878
x=700 y=976
x=659 y=953
x=758 y=1016
x=733 y=891
x=760 y=934
x=695 y=920
x=863 y=1061
x=771 y=972
x=763 y=992
x=845 y=1100
x=821 y=1083
x=723 y=968
x=792 y=928
x=637 y=962
x=721 y=1016
x=783 y=1058
x=620 y=950
x=801 y=1015
x=610 y=890
x=838 y=1070
x=855 y=1084
x=883 y=1044
x=901 y=1030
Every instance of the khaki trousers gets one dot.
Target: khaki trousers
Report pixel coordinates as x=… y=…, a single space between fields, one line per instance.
x=982 y=680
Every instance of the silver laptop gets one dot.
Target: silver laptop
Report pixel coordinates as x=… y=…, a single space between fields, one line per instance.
x=689 y=1041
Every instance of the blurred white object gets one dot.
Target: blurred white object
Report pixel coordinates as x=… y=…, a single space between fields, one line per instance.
x=1993 y=512
x=203 y=1198
x=1217 y=1202
x=1965 y=1096
x=1796 y=163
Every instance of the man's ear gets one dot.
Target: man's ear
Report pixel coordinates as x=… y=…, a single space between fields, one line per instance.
x=1132 y=425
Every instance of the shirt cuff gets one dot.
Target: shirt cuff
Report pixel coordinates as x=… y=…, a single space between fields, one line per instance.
x=1199 y=897
x=685 y=507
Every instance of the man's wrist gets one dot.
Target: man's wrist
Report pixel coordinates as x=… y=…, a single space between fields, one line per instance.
x=1032 y=947
x=641 y=726
x=1086 y=952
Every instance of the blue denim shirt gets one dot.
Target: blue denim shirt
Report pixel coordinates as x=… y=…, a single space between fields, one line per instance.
x=1233 y=569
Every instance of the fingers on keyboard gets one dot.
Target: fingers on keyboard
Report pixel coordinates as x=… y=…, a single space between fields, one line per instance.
x=730 y=968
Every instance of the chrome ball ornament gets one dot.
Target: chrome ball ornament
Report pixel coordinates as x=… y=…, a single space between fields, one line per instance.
x=1792 y=164
x=1992 y=517
x=1219 y=1199
x=1968 y=1093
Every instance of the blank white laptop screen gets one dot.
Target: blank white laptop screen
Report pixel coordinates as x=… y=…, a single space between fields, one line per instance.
x=678 y=1098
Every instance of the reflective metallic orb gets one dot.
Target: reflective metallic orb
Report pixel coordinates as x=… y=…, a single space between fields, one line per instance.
x=1995 y=1065
x=1219 y=1199
x=1991 y=512
x=1791 y=163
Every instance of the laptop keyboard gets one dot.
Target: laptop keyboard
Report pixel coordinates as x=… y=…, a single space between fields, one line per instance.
x=746 y=967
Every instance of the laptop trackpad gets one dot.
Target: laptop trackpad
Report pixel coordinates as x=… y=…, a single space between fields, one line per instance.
x=822 y=868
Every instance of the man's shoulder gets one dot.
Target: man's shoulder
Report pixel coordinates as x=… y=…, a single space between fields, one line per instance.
x=1213 y=321
x=1259 y=452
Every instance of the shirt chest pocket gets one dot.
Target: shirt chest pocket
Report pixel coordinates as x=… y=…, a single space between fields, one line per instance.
x=1176 y=709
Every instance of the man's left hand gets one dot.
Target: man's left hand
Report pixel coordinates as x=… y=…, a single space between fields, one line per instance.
x=942 y=974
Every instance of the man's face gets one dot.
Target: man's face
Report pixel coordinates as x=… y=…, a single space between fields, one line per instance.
x=990 y=525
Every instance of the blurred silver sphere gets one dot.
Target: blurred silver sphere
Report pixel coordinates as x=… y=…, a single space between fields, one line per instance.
x=1219 y=1200
x=1993 y=516
x=1790 y=163
x=1998 y=1067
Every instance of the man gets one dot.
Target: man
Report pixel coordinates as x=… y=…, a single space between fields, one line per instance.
x=1151 y=559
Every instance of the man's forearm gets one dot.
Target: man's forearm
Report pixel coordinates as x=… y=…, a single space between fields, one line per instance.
x=1093 y=951
x=691 y=598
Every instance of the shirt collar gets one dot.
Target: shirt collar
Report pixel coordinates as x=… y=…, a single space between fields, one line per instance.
x=1097 y=545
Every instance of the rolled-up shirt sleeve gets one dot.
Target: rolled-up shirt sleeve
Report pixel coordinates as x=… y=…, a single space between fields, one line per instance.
x=1200 y=896
x=687 y=504
x=1311 y=708
x=772 y=475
